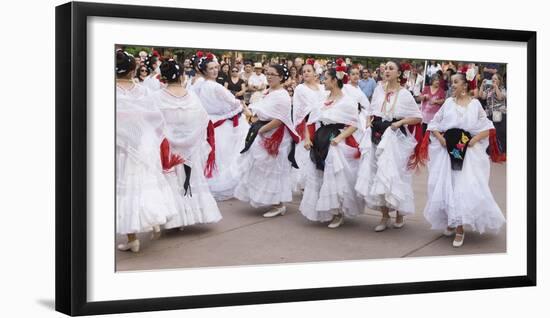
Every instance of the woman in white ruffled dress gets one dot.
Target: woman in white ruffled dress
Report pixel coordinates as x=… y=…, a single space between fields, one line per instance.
x=264 y=166
x=388 y=149
x=143 y=202
x=459 y=198
x=186 y=124
x=229 y=128
x=331 y=172
x=308 y=96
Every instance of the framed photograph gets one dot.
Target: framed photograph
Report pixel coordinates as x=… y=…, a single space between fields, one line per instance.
x=211 y=158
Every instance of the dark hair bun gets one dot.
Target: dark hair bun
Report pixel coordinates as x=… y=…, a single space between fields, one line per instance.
x=124 y=63
x=170 y=70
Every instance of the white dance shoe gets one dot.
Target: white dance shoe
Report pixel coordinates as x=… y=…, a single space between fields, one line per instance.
x=384 y=224
x=337 y=220
x=400 y=224
x=460 y=241
x=275 y=211
x=130 y=246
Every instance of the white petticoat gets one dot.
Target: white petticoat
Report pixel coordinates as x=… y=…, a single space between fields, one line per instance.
x=143 y=195
x=383 y=178
x=229 y=143
x=298 y=176
x=200 y=206
x=330 y=191
x=461 y=197
x=265 y=179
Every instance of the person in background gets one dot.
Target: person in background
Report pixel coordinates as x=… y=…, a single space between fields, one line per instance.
x=447 y=78
x=367 y=83
x=223 y=75
x=142 y=73
x=489 y=70
x=235 y=84
x=245 y=75
x=257 y=83
x=494 y=92
x=432 y=98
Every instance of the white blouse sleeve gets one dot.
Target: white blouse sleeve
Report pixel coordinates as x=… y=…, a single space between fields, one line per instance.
x=435 y=123
x=408 y=106
x=225 y=95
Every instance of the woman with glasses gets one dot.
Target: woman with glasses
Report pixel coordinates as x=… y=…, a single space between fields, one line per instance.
x=142 y=73
x=227 y=131
x=264 y=166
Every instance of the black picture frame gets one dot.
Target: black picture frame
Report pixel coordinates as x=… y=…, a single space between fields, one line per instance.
x=71 y=157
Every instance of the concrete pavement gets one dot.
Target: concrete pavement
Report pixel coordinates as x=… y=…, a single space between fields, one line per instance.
x=244 y=237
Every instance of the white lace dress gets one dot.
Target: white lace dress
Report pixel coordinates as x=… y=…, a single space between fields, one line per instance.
x=384 y=179
x=332 y=191
x=224 y=110
x=185 y=129
x=143 y=197
x=305 y=99
x=265 y=178
x=461 y=197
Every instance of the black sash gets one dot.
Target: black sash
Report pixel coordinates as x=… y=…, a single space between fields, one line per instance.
x=186 y=184
x=321 y=143
x=379 y=126
x=252 y=134
x=457 y=143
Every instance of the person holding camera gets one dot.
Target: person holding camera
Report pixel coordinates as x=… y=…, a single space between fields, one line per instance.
x=494 y=92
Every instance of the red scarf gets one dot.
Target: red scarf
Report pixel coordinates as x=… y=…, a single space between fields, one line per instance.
x=272 y=143
x=211 y=139
x=167 y=159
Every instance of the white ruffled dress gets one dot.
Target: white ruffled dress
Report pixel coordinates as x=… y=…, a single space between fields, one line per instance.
x=185 y=129
x=331 y=191
x=304 y=101
x=461 y=197
x=143 y=197
x=221 y=105
x=384 y=179
x=265 y=178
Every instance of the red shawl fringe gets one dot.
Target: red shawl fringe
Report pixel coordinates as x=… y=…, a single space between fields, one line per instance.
x=168 y=160
x=415 y=160
x=271 y=144
x=211 y=139
x=495 y=154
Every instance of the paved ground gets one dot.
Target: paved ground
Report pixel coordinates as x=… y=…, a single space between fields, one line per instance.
x=244 y=237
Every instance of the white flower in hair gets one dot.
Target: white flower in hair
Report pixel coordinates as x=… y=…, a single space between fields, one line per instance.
x=470 y=74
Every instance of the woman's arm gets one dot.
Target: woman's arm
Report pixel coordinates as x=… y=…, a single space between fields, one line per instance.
x=406 y=121
x=307 y=138
x=343 y=135
x=274 y=123
x=440 y=137
x=478 y=137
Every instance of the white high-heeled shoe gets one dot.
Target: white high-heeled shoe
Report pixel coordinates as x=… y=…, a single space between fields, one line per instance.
x=337 y=220
x=275 y=211
x=384 y=224
x=133 y=246
x=399 y=225
x=461 y=241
